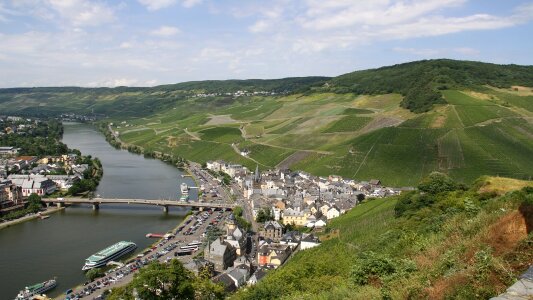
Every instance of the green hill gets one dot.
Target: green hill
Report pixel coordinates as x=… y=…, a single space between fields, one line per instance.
x=361 y=125
x=446 y=243
x=420 y=82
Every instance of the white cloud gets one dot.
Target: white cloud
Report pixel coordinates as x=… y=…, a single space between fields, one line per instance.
x=191 y=3
x=260 y=26
x=165 y=31
x=126 y=45
x=83 y=12
x=322 y=15
x=153 y=5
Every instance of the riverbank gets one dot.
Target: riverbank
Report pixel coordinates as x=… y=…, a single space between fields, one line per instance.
x=132 y=257
x=48 y=211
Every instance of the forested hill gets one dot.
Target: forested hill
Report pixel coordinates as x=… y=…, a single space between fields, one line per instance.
x=420 y=82
x=292 y=84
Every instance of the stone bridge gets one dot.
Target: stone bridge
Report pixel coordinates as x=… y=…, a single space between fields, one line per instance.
x=95 y=202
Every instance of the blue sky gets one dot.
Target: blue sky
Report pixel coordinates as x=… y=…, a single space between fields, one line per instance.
x=151 y=42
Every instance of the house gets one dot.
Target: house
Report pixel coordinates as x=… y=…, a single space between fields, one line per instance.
x=333 y=212
x=38 y=185
x=9 y=192
x=320 y=223
x=239 y=275
x=226 y=281
x=63 y=182
x=201 y=266
x=375 y=183
x=273 y=254
x=256 y=277
x=221 y=254
x=309 y=241
x=272 y=230
x=7 y=151
x=291 y=238
x=235 y=236
x=298 y=218
x=276 y=212
x=324 y=209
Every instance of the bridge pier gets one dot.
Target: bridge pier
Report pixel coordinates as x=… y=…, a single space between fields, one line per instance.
x=60 y=204
x=165 y=208
x=96 y=206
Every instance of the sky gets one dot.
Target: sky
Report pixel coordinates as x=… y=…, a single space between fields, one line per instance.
x=110 y=43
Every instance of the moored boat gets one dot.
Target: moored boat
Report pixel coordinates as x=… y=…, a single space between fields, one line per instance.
x=36 y=289
x=184 y=188
x=115 y=251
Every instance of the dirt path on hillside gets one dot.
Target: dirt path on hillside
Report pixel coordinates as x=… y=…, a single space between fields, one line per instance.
x=194 y=137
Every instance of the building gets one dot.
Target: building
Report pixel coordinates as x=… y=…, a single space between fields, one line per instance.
x=273 y=254
x=63 y=182
x=291 y=216
x=235 y=236
x=272 y=230
x=333 y=212
x=30 y=184
x=9 y=192
x=256 y=277
x=309 y=241
x=221 y=254
x=8 y=151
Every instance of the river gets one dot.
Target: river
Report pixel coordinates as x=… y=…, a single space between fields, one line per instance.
x=38 y=250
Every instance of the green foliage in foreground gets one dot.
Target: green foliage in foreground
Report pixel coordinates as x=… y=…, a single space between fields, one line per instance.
x=168 y=281
x=446 y=246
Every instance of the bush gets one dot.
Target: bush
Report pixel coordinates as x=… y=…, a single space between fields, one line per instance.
x=379 y=266
x=437 y=183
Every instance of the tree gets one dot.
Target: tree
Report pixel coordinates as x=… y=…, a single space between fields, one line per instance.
x=34 y=202
x=237 y=211
x=437 y=183
x=264 y=215
x=92 y=274
x=360 y=197
x=160 y=281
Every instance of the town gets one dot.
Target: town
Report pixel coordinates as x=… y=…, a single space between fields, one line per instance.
x=285 y=208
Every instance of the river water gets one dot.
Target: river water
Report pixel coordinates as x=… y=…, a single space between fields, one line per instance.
x=38 y=250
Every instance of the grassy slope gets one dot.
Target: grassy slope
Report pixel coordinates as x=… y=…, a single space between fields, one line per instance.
x=352 y=136
x=460 y=247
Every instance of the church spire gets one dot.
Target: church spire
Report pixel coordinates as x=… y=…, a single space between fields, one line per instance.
x=257 y=176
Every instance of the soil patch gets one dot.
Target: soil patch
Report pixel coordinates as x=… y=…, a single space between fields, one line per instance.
x=292 y=159
x=220 y=119
x=506 y=233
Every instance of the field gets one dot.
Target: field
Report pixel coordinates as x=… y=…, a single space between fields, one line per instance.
x=360 y=137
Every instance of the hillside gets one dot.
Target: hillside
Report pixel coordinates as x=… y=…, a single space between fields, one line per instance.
x=420 y=82
x=135 y=101
x=479 y=128
x=448 y=243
